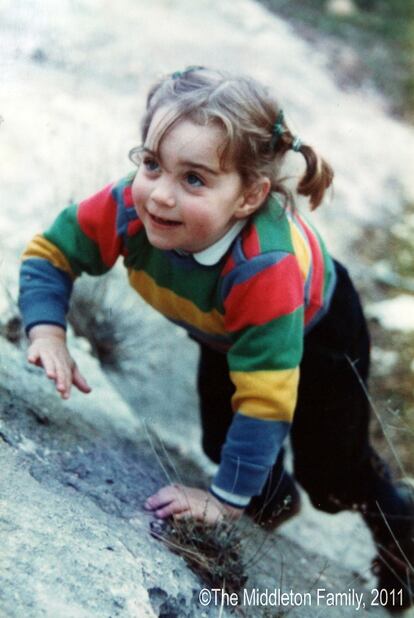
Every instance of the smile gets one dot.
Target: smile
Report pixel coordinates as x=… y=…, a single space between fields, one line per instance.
x=164 y=222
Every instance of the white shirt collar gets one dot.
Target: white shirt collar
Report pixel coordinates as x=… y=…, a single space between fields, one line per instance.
x=213 y=254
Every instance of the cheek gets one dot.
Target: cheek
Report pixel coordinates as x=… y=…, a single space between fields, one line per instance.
x=139 y=194
x=198 y=219
x=208 y=221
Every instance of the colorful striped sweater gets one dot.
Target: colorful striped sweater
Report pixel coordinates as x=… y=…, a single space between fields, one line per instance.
x=255 y=304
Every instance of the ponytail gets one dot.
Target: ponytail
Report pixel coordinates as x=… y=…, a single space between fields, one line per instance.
x=317 y=177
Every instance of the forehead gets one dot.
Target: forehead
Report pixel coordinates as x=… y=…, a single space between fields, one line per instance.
x=185 y=139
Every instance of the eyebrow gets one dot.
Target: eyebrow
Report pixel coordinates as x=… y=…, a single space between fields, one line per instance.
x=191 y=164
x=200 y=166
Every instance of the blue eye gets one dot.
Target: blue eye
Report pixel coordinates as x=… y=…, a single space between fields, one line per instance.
x=151 y=165
x=194 y=180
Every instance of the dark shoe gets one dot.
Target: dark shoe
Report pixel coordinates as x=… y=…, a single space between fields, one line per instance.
x=278 y=502
x=394 y=564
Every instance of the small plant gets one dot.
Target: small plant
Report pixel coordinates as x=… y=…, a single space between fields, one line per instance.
x=12 y=329
x=211 y=551
x=90 y=318
x=109 y=320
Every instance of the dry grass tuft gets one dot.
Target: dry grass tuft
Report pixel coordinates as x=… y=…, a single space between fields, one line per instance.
x=212 y=551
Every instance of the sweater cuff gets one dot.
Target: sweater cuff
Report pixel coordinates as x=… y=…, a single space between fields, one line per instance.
x=248 y=455
x=42 y=312
x=239 y=502
x=237 y=481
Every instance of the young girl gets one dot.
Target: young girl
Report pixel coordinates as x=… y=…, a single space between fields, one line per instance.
x=210 y=238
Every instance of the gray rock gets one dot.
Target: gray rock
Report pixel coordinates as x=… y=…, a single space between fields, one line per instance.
x=75 y=538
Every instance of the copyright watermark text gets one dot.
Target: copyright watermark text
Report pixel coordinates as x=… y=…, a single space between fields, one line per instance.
x=276 y=597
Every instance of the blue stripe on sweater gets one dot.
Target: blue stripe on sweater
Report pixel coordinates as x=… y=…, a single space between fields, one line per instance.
x=249 y=269
x=250 y=450
x=124 y=214
x=44 y=293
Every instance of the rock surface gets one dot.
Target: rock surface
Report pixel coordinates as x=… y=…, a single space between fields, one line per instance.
x=75 y=539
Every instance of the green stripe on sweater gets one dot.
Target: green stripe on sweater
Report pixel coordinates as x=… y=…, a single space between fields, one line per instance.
x=193 y=282
x=82 y=253
x=273 y=227
x=275 y=345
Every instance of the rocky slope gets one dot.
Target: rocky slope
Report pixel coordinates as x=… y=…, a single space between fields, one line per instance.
x=76 y=540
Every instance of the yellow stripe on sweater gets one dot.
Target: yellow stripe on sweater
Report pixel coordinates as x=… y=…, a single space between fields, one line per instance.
x=269 y=395
x=301 y=247
x=42 y=248
x=174 y=306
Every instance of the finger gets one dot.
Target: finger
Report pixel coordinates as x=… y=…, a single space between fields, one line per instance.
x=199 y=515
x=54 y=371
x=49 y=366
x=155 y=502
x=60 y=385
x=164 y=494
x=33 y=356
x=63 y=390
x=183 y=515
x=167 y=494
x=63 y=380
x=79 y=381
x=173 y=508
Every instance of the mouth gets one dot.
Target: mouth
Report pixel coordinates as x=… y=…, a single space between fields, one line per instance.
x=164 y=222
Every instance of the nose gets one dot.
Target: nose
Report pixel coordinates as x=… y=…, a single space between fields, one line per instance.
x=163 y=193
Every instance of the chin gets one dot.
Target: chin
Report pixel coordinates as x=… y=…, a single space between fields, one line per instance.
x=161 y=243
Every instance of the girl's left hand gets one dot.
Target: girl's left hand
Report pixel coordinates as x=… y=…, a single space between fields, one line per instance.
x=183 y=502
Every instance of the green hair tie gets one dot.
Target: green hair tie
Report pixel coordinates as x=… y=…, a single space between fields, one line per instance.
x=277 y=129
x=178 y=74
x=296 y=144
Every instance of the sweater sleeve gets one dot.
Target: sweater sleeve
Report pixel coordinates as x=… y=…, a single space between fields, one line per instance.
x=264 y=313
x=85 y=237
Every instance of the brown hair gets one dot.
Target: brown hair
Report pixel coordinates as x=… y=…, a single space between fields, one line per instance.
x=248 y=113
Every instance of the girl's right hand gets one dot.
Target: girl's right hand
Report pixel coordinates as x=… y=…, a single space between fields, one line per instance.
x=48 y=350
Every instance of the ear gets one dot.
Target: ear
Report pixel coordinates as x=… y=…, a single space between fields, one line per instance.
x=253 y=197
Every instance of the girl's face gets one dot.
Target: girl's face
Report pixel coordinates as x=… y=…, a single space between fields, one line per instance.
x=183 y=197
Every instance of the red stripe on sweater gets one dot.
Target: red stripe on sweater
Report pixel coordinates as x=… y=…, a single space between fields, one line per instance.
x=250 y=242
x=128 y=197
x=134 y=227
x=97 y=220
x=317 y=281
x=228 y=266
x=310 y=312
x=269 y=294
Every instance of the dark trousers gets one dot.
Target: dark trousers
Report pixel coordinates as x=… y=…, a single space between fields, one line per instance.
x=332 y=456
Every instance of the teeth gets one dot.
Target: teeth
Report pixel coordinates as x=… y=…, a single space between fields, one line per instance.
x=164 y=221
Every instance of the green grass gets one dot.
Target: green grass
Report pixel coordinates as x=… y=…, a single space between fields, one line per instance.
x=381 y=32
